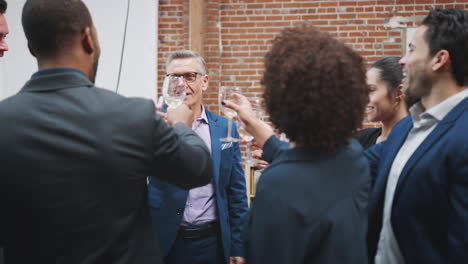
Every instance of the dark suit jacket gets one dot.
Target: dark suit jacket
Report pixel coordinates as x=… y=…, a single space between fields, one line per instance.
x=167 y=201
x=73 y=176
x=430 y=208
x=368 y=137
x=310 y=207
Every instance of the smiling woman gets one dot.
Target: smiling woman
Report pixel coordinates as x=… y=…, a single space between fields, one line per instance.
x=387 y=102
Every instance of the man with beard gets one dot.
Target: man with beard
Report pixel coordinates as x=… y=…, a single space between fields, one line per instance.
x=75 y=157
x=419 y=203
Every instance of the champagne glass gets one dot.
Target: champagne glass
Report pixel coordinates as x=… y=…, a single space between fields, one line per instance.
x=247 y=137
x=174 y=91
x=225 y=94
x=257 y=108
x=255 y=102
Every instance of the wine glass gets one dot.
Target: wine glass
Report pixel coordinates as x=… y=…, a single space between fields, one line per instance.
x=225 y=94
x=257 y=108
x=174 y=91
x=255 y=102
x=247 y=137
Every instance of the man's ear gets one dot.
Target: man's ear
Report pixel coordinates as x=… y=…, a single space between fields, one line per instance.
x=205 y=82
x=31 y=50
x=441 y=59
x=399 y=94
x=87 y=41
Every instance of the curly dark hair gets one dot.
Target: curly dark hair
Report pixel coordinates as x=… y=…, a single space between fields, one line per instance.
x=448 y=29
x=315 y=88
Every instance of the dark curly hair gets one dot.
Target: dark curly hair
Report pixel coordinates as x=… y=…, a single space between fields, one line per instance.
x=448 y=29
x=315 y=88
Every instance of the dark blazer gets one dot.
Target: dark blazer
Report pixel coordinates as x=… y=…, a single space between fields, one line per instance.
x=368 y=136
x=310 y=207
x=73 y=176
x=430 y=208
x=167 y=201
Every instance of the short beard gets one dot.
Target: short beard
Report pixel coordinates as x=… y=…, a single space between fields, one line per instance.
x=420 y=87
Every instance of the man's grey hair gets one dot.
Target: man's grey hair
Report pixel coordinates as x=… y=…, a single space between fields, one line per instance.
x=184 y=54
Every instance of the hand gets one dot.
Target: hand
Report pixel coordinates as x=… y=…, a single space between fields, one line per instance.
x=160 y=103
x=242 y=107
x=257 y=159
x=182 y=114
x=260 y=130
x=162 y=115
x=236 y=260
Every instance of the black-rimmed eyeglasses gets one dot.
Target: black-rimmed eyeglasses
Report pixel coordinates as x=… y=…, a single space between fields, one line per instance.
x=189 y=77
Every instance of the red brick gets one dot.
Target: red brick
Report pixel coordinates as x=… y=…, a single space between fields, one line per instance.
x=328 y=16
x=273 y=5
x=347 y=16
x=327 y=4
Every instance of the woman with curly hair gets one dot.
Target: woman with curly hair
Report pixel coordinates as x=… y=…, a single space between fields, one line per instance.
x=310 y=204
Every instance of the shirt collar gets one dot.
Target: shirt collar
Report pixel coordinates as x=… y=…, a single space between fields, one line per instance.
x=439 y=111
x=203 y=117
x=55 y=71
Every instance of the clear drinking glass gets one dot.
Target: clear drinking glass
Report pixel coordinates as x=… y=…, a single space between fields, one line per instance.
x=174 y=91
x=247 y=137
x=225 y=94
x=255 y=102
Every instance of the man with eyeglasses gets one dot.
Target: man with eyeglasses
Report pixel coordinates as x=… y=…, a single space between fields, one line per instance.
x=201 y=225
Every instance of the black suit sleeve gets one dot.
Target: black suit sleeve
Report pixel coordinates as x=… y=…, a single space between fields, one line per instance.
x=272 y=148
x=180 y=157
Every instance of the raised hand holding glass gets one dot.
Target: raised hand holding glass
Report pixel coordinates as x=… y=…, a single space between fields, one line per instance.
x=225 y=94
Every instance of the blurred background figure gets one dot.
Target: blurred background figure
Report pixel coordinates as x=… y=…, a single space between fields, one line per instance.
x=387 y=102
x=259 y=164
x=311 y=201
x=3 y=47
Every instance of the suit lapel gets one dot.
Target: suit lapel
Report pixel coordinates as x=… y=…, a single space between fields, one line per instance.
x=440 y=129
x=215 y=135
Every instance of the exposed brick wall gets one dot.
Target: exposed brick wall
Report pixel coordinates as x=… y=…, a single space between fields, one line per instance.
x=173 y=31
x=239 y=32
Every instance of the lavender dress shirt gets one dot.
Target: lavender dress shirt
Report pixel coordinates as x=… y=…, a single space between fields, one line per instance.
x=200 y=207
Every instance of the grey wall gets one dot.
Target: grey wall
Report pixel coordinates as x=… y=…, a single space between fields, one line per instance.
x=139 y=62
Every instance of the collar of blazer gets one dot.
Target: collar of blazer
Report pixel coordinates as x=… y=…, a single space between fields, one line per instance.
x=57 y=81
